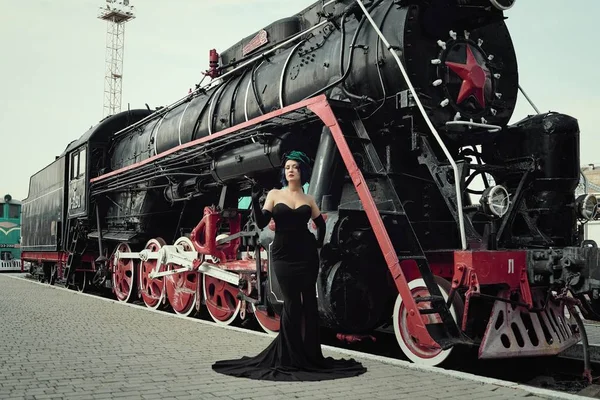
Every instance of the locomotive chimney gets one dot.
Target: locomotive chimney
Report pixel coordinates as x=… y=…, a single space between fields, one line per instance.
x=213 y=64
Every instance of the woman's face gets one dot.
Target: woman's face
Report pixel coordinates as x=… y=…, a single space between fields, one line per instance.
x=292 y=171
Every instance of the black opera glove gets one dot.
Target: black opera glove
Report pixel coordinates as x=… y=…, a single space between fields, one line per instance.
x=256 y=192
x=320 y=222
x=262 y=217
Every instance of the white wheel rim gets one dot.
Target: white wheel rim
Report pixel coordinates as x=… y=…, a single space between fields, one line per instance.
x=267 y=330
x=132 y=286
x=218 y=321
x=192 y=308
x=141 y=277
x=84 y=284
x=432 y=361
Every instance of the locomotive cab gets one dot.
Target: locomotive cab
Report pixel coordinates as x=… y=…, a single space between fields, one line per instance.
x=78 y=181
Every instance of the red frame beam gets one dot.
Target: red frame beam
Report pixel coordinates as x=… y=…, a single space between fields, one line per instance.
x=324 y=111
x=59 y=257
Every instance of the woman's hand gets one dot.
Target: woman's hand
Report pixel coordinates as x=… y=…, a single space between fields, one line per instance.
x=257 y=191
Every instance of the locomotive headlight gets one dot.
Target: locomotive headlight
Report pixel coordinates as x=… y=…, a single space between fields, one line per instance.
x=495 y=200
x=503 y=4
x=587 y=206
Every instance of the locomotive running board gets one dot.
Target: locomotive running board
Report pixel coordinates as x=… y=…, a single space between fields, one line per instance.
x=309 y=110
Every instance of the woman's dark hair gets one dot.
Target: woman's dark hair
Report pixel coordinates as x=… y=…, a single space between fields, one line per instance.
x=303 y=163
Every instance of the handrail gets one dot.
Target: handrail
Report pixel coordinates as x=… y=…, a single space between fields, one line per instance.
x=529 y=100
x=429 y=124
x=490 y=128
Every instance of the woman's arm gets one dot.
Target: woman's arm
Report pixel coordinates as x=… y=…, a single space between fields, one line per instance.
x=319 y=221
x=270 y=200
x=262 y=217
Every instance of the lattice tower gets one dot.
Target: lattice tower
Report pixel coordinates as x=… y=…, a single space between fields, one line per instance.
x=116 y=14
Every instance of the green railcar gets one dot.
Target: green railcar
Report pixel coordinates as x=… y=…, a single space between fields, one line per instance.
x=10 y=234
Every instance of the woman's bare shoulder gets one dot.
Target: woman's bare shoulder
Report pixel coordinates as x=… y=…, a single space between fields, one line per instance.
x=310 y=199
x=273 y=193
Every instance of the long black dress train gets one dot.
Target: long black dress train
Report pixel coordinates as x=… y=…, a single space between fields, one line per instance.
x=295 y=354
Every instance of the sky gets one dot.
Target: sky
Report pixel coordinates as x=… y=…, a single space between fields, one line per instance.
x=53 y=65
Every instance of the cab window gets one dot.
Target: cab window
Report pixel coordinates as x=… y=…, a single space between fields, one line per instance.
x=14 y=211
x=74 y=165
x=81 y=163
x=78 y=163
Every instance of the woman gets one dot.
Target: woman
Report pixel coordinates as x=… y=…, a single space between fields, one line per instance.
x=295 y=355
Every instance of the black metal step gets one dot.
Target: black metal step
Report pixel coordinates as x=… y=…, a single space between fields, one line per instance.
x=428 y=298
x=439 y=332
x=411 y=257
x=388 y=212
x=429 y=311
x=356 y=139
x=368 y=174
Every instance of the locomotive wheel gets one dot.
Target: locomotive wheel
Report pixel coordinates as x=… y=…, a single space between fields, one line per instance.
x=81 y=281
x=423 y=351
x=46 y=273
x=182 y=289
x=152 y=290
x=269 y=324
x=123 y=276
x=53 y=274
x=221 y=301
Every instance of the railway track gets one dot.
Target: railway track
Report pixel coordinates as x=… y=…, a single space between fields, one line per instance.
x=563 y=373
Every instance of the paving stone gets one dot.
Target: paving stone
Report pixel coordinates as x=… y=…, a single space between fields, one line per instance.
x=61 y=344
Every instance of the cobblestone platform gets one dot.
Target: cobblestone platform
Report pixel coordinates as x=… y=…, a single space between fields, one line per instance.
x=58 y=344
x=593 y=332
x=592 y=329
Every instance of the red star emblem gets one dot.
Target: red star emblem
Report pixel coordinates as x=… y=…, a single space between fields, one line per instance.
x=473 y=76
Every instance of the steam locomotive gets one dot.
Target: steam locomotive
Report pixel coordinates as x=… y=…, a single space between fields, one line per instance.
x=404 y=106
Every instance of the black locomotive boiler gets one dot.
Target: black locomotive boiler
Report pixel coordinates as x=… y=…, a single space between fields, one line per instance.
x=403 y=106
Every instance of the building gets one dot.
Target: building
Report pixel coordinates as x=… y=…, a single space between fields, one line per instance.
x=10 y=234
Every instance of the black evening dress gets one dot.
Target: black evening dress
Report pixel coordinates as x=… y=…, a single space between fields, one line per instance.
x=295 y=354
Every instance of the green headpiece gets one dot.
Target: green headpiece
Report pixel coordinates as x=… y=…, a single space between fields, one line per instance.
x=297 y=156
